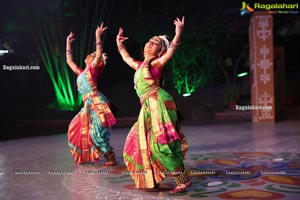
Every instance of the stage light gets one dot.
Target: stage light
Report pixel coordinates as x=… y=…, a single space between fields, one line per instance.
x=186 y=94
x=2 y=52
x=242 y=74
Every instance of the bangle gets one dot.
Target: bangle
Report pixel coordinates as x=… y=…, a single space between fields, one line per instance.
x=68 y=52
x=99 y=45
x=174 y=46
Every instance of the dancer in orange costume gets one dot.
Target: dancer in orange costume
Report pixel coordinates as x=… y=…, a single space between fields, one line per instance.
x=89 y=131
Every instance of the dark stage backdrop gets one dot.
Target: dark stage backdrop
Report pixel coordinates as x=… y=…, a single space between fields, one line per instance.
x=214 y=32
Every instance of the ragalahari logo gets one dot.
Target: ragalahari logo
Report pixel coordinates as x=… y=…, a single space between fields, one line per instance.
x=246 y=8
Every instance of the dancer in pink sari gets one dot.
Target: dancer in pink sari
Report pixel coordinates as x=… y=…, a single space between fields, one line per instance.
x=89 y=131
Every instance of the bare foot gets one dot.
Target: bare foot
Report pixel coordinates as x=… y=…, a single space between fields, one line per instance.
x=181 y=187
x=109 y=163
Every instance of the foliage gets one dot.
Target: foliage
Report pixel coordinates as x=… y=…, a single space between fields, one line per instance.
x=49 y=22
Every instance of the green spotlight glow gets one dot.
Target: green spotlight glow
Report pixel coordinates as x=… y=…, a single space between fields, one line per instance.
x=242 y=74
x=49 y=36
x=186 y=74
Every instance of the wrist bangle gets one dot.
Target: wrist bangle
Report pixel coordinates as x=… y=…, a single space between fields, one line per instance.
x=174 y=46
x=68 y=52
x=99 y=45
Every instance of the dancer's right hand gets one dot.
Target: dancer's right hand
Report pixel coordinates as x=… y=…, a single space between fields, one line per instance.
x=70 y=38
x=120 y=37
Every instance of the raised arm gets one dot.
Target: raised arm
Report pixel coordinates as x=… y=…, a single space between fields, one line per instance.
x=179 y=25
x=122 y=50
x=99 y=31
x=77 y=70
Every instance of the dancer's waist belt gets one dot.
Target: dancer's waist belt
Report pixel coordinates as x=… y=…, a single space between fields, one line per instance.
x=170 y=104
x=90 y=94
x=152 y=91
x=102 y=108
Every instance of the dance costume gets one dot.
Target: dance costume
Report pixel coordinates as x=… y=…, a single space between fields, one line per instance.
x=89 y=131
x=155 y=145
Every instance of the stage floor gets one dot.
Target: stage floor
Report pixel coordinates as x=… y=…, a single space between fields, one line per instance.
x=226 y=161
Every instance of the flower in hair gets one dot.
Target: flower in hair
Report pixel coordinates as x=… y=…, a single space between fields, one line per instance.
x=165 y=40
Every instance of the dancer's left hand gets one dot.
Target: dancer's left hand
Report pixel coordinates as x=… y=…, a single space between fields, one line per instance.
x=179 y=25
x=100 y=29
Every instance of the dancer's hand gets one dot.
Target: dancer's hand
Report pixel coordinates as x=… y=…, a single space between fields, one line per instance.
x=70 y=38
x=120 y=37
x=70 y=62
x=179 y=25
x=100 y=30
